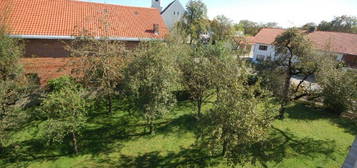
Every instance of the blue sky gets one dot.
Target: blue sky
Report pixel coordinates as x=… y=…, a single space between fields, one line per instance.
x=285 y=12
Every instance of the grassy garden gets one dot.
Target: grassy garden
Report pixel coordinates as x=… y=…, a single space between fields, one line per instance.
x=183 y=101
x=308 y=137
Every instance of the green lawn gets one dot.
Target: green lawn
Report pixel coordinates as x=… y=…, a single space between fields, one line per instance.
x=308 y=137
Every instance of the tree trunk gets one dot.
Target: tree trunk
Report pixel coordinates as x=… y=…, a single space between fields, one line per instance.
x=199 y=107
x=224 y=150
x=285 y=99
x=1 y=148
x=110 y=104
x=151 y=125
x=74 y=139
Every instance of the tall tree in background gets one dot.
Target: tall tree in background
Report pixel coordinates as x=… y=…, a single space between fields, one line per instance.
x=309 y=26
x=150 y=78
x=221 y=28
x=252 y=28
x=343 y=23
x=270 y=25
x=295 y=58
x=195 y=20
x=249 y=27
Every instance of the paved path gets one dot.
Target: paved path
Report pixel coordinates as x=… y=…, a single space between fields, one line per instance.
x=351 y=160
x=309 y=84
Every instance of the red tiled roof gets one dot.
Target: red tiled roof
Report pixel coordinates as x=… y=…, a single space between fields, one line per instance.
x=65 y=17
x=250 y=39
x=334 y=41
x=267 y=35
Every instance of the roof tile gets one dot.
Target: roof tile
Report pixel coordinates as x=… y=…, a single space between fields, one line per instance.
x=67 y=17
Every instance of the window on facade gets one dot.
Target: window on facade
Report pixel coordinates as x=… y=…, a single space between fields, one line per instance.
x=263 y=47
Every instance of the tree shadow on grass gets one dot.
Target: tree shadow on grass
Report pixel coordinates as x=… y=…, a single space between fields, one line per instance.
x=284 y=144
x=106 y=134
x=182 y=124
x=32 y=150
x=279 y=146
x=184 y=158
x=310 y=112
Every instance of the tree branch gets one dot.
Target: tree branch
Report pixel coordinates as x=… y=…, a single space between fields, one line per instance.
x=300 y=83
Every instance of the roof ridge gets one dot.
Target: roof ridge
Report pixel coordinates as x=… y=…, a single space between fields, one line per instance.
x=314 y=31
x=336 y=32
x=109 y=4
x=167 y=7
x=273 y=28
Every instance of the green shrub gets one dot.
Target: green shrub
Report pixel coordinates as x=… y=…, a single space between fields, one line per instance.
x=340 y=93
x=60 y=83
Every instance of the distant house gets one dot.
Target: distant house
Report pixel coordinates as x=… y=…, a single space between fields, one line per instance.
x=343 y=45
x=46 y=24
x=172 y=13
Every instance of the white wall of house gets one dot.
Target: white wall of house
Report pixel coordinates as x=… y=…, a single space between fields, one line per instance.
x=263 y=52
x=173 y=14
x=260 y=54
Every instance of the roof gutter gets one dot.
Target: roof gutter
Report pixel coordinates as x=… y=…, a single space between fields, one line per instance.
x=73 y=37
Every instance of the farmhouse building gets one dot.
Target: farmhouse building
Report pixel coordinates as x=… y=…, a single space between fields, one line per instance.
x=45 y=26
x=343 y=45
x=172 y=13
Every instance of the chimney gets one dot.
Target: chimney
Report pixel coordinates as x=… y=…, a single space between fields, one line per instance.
x=156 y=29
x=156 y=4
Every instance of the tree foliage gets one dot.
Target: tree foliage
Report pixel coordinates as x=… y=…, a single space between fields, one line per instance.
x=150 y=78
x=200 y=72
x=99 y=63
x=12 y=86
x=221 y=28
x=241 y=114
x=339 y=87
x=295 y=57
x=66 y=114
x=195 y=20
x=10 y=52
x=342 y=23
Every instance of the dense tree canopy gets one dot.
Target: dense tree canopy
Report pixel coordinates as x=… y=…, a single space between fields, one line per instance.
x=343 y=23
x=221 y=28
x=151 y=78
x=99 y=64
x=65 y=111
x=195 y=20
x=12 y=84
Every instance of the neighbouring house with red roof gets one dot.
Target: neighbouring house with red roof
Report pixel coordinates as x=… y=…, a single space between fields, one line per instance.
x=46 y=24
x=343 y=45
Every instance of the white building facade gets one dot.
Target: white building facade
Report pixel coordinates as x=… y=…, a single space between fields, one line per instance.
x=342 y=45
x=262 y=52
x=172 y=13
